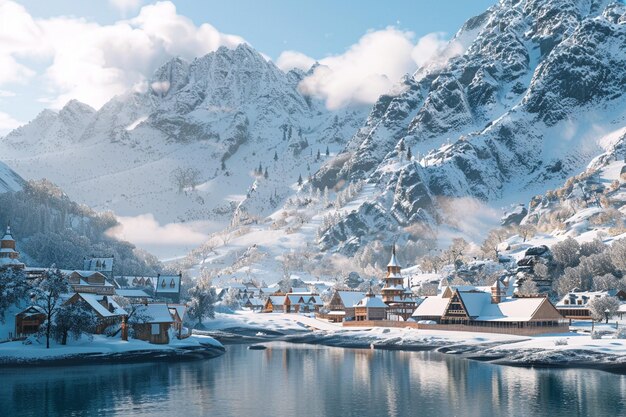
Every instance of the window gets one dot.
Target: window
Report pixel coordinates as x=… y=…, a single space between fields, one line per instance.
x=155 y=329
x=163 y=283
x=172 y=283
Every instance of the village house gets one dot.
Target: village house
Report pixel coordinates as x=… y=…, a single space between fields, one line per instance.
x=161 y=319
x=302 y=303
x=92 y=282
x=483 y=312
x=27 y=321
x=274 y=304
x=255 y=304
x=395 y=294
x=341 y=305
x=168 y=287
x=370 y=308
x=104 y=307
x=134 y=295
x=574 y=305
x=102 y=265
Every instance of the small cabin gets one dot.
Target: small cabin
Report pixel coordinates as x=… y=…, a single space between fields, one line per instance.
x=574 y=305
x=156 y=328
x=27 y=321
x=370 y=308
x=274 y=304
x=341 y=305
x=93 y=282
x=255 y=304
x=168 y=287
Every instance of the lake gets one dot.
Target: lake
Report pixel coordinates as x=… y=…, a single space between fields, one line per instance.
x=307 y=380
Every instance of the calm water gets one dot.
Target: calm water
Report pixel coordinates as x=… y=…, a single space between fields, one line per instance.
x=302 y=380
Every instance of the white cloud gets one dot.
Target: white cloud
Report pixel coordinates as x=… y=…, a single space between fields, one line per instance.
x=7 y=123
x=289 y=60
x=145 y=230
x=92 y=62
x=368 y=68
x=125 y=6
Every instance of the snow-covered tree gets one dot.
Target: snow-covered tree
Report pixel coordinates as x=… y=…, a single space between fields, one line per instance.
x=528 y=287
x=603 y=307
x=202 y=299
x=231 y=299
x=73 y=319
x=13 y=288
x=566 y=253
x=300 y=180
x=47 y=294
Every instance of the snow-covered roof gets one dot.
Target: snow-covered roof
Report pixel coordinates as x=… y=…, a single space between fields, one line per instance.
x=393 y=261
x=300 y=290
x=572 y=298
x=132 y=293
x=94 y=302
x=98 y=264
x=277 y=300
x=8 y=236
x=181 y=309
x=371 y=302
x=168 y=284
x=431 y=307
x=158 y=313
x=10 y=262
x=350 y=298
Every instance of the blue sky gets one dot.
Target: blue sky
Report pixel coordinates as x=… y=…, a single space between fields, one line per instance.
x=53 y=51
x=316 y=28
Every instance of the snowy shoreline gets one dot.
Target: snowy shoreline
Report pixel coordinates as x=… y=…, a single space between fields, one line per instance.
x=568 y=350
x=102 y=351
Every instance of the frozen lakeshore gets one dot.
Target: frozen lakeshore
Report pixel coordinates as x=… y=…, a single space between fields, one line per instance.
x=108 y=350
x=574 y=349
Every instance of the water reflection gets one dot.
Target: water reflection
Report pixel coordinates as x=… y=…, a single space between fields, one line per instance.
x=288 y=380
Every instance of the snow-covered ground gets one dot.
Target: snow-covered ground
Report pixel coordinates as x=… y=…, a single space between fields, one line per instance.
x=14 y=352
x=576 y=348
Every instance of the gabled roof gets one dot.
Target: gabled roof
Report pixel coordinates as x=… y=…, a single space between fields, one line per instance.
x=432 y=307
x=371 y=302
x=158 y=313
x=277 y=300
x=168 y=284
x=94 y=302
x=350 y=298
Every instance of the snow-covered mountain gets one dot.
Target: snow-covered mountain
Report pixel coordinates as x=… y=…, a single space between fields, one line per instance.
x=538 y=93
x=187 y=147
x=9 y=179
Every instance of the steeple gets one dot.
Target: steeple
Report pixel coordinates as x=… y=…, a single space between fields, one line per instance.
x=393 y=266
x=8 y=255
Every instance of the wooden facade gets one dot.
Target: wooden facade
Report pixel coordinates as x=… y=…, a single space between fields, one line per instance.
x=27 y=321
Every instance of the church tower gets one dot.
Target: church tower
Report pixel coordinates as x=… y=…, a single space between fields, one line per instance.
x=8 y=255
x=393 y=289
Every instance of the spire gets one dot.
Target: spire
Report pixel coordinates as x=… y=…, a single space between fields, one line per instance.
x=393 y=261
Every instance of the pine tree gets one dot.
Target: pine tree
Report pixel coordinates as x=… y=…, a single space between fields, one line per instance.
x=300 y=180
x=260 y=169
x=327 y=151
x=266 y=175
x=275 y=156
x=402 y=147
x=318 y=156
x=409 y=155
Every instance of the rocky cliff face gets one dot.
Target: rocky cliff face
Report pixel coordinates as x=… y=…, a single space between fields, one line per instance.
x=529 y=102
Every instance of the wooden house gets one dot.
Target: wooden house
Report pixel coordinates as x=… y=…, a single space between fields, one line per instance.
x=168 y=287
x=574 y=305
x=274 y=304
x=27 y=321
x=341 y=305
x=253 y=303
x=104 y=307
x=90 y=282
x=481 y=311
x=156 y=329
x=302 y=303
x=370 y=308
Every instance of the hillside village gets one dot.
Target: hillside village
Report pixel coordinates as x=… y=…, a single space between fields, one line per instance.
x=93 y=301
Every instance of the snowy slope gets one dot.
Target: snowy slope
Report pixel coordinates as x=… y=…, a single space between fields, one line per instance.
x=222 y=115
x=9 y=180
